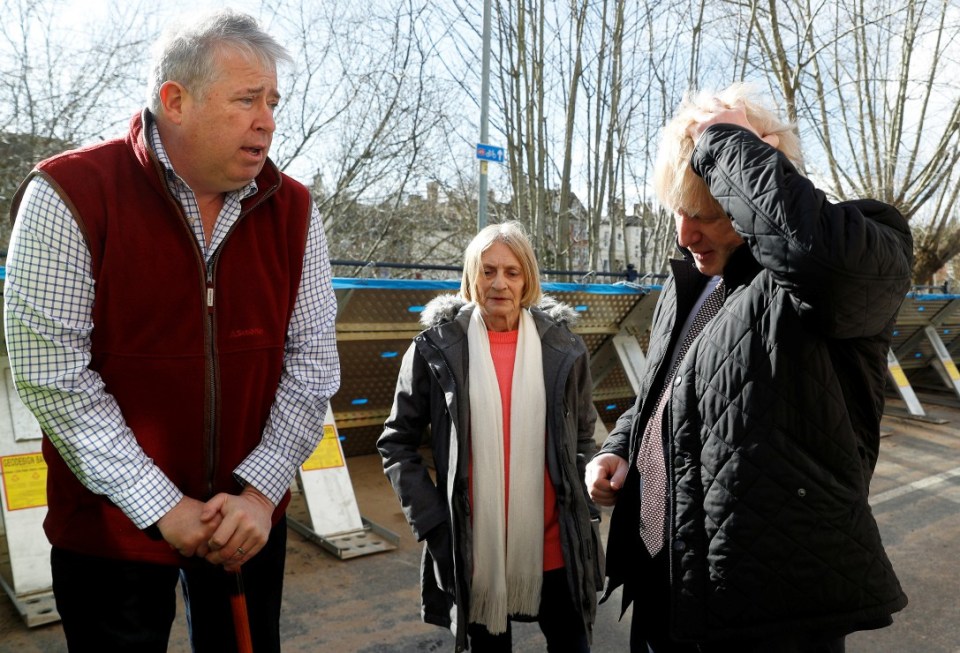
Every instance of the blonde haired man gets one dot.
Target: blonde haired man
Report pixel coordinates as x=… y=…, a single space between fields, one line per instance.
x=740 y=476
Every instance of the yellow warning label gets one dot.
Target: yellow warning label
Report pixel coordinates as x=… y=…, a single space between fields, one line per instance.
x=24 y=480
x=327 y=453
x=951 y=370
x=899 y=376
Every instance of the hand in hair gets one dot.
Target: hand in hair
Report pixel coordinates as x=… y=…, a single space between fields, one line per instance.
x=721 y=114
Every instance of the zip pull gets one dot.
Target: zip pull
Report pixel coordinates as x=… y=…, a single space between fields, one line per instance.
x=210 y=299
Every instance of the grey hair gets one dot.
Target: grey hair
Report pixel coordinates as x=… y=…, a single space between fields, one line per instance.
x=187 y=52
x=511 y=234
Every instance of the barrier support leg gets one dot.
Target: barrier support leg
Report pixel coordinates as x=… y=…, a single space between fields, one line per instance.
x=632 y=358
x=334 y=518
x=903 y=386
x=944 y=365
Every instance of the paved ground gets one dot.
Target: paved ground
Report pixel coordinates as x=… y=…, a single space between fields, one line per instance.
x=370 y=604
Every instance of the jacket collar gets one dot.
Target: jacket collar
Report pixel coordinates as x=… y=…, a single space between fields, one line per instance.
x=449 y=308
x=447 y=318
x=741 y=268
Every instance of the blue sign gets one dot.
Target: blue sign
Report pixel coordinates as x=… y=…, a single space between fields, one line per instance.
x=489 y=153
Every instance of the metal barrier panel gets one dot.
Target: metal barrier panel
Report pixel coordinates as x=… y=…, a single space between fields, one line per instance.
x=376 y=322
x=378 y=319
x=919 y=311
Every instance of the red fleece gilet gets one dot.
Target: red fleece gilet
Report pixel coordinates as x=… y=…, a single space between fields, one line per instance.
x=193 y=361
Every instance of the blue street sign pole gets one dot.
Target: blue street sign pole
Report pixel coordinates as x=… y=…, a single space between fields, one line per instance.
x=484 y=114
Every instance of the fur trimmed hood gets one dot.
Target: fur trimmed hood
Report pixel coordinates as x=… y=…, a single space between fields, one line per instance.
x=444 y=308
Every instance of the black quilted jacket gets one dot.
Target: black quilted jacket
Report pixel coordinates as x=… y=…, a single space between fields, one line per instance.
x=774 y=421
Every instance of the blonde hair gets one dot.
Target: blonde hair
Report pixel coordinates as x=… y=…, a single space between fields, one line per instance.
x=513 y=236
x=677 y=186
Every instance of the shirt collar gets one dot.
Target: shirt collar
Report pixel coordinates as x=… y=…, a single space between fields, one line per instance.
x=173 y=179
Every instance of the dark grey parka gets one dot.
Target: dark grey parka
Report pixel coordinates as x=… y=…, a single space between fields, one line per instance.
x=432 y=392
x=773 y=426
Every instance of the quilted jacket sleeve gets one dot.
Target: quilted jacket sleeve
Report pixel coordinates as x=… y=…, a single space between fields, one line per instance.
x=618 y=440
x=846 y=266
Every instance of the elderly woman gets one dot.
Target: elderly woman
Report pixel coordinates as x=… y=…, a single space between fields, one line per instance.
x=505 y=389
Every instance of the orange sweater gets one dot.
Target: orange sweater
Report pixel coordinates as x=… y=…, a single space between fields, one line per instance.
x=503 y=349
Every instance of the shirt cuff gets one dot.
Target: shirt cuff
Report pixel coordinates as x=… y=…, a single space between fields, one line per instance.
x=268 y=473
x=149 y=499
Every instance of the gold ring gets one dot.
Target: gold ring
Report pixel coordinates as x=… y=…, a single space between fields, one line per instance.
x=240 y=551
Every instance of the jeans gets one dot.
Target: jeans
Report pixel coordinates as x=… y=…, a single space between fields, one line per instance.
x=128 y=606
x=559 y=619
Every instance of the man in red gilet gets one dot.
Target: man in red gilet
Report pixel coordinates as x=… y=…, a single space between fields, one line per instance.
x=170 y=322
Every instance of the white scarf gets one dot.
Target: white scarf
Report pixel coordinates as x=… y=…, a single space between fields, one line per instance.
x=507 y=553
